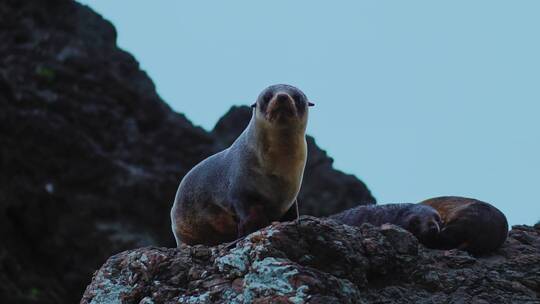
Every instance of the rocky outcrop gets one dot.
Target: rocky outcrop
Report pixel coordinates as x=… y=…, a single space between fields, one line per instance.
x=320 y=261
x=90 y=156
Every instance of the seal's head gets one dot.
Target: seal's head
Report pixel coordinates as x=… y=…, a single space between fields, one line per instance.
x=424 y=223
x=282 y=105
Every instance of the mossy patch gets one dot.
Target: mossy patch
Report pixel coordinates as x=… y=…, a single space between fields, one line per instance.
x=45 y=73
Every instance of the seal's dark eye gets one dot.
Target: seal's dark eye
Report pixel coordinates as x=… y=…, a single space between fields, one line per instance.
x=297 y=97
x=298 y=100
x=267 y=97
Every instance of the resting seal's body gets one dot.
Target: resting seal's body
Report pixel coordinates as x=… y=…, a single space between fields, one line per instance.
x=422 y=221
x=253 y=182
x=469 y=224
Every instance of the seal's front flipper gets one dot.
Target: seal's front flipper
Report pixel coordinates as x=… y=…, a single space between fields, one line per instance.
x=254 y=221
x=291 y=214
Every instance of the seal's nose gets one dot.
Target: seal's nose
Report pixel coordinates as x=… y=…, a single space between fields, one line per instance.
x=282 y=106
x=283 y=98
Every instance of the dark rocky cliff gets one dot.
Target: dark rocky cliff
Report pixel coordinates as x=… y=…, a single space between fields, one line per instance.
x=90 y=156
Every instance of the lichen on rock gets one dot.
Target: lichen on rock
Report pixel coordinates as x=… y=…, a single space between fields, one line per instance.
x=320 y=261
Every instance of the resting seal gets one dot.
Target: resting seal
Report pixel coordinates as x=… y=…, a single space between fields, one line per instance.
x=422 y=221
x=469 y=224
x=253 y=182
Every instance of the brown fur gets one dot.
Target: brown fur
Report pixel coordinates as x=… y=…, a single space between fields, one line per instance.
x=469 y=224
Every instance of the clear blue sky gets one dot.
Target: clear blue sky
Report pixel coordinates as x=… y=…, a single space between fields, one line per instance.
x=416 y=98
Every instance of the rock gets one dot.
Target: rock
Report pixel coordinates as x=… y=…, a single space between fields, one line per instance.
x=320 y=261
x=90 y=156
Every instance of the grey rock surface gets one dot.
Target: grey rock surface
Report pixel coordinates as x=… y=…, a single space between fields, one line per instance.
x=321 y=261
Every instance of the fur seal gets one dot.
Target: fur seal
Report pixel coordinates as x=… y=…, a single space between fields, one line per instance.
x=253 y=182
x=420 y=220
x=469 y=224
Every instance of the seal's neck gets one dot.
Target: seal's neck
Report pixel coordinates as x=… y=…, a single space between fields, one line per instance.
x=279 y=149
